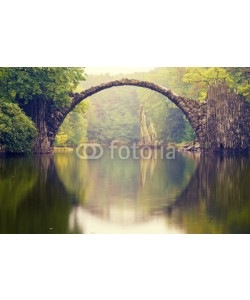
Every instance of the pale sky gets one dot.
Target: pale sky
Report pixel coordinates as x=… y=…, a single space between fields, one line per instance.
x=116 y=70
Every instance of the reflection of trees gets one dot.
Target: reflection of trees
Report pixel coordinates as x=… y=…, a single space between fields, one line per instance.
x=146 y=165
x=73 y=173
x=207 y=194
x=17 y=177
x=133 y=190
x=217 y=198
x=124 y=190
x=163 y=181
x=201 y=195
x=45 y=206
x=110 y=187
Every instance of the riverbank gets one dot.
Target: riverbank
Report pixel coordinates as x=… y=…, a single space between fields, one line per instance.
x=63 y=149
x=190 y=147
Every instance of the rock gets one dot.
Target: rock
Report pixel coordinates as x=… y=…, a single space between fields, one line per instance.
x=191 y=147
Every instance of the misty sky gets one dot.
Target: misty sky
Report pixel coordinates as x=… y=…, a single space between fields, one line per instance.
x=116 y=70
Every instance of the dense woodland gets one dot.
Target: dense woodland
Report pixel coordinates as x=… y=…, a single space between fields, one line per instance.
x=111 y=114
x=114 y=114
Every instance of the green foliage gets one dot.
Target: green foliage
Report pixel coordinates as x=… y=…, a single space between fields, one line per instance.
x=200 y=78
x=114 y=116
x=73 y=131
x=53 y=84
x=176 y=125
x=24 y=85
x=189 y=132
x=241 y=80
x=114 y=113
x=158 y=107
x=17 y=131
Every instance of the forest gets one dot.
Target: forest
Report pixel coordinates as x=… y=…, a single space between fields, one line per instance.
x=110 y=115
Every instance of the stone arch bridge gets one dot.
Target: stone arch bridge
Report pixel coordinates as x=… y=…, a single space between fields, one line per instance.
x=220 y=123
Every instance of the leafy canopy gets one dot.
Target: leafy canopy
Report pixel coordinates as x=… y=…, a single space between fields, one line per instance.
x=73 y=131
x=200 y=78
x=22 y=85
x=17 y=131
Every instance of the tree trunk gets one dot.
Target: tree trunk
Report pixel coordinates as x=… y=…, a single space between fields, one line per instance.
x=37 y=110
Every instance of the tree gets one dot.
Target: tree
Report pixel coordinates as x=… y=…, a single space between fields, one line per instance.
x=41 y=93
x=23 y=85
x=159 y=107
x=73 y=131
x=241 y=80
x=17 y=131
x=175 y=125
x=200 y=78
x=112 y=114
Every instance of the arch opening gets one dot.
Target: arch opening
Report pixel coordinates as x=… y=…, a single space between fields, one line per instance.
x=190 y=108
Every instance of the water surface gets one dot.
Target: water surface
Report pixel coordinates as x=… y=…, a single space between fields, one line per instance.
x=63 y=194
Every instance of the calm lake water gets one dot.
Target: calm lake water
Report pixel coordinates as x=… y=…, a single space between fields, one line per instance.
x=63 y=194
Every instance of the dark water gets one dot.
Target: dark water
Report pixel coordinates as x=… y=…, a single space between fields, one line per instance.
x=63 y=194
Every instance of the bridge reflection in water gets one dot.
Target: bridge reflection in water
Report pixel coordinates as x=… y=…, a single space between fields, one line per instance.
x=123 y=195
x=62 y=194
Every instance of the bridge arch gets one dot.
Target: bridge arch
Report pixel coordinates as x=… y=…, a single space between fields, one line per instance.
x=221 y=123
x=192 y=109
x=188 y=106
